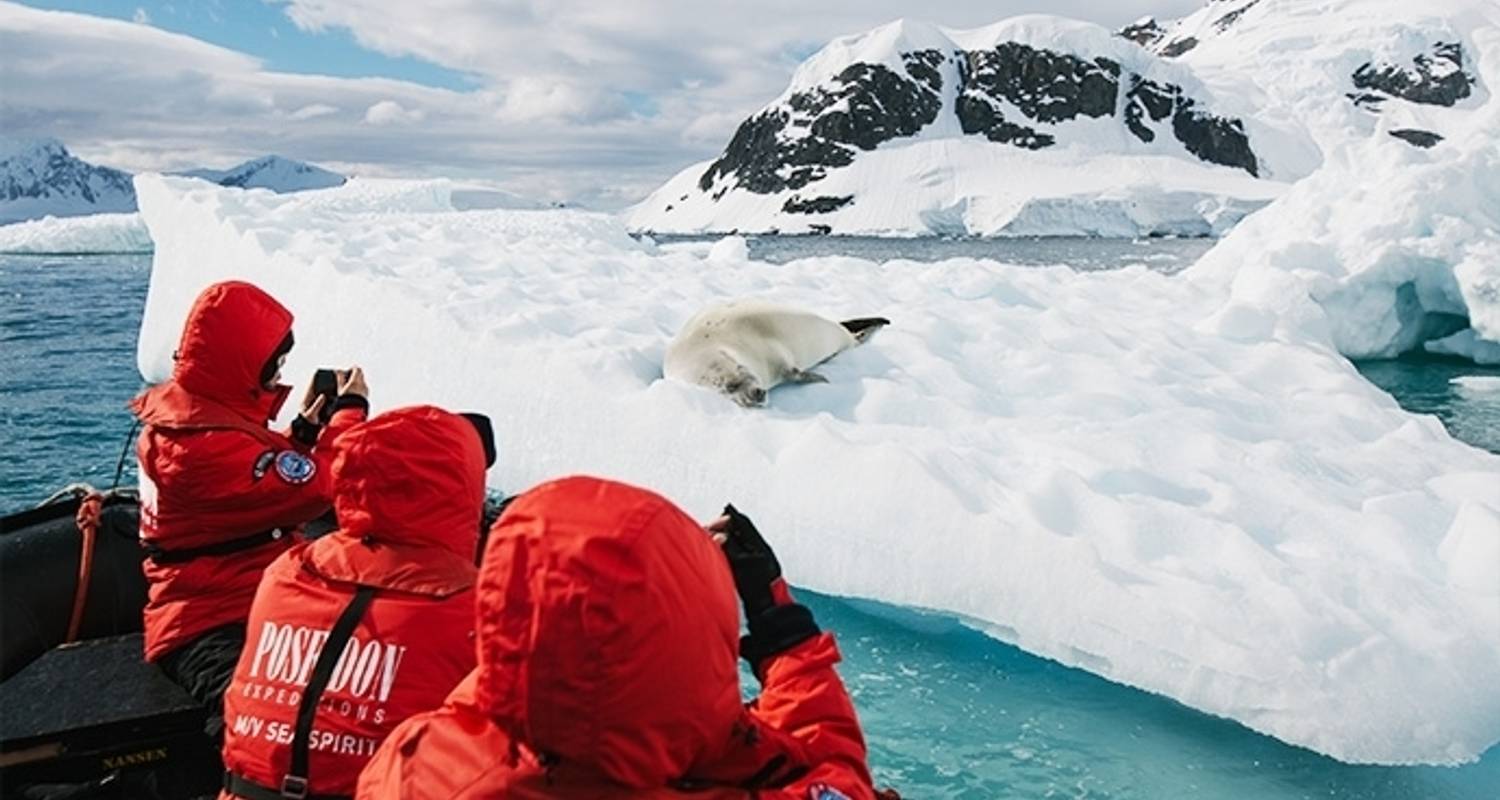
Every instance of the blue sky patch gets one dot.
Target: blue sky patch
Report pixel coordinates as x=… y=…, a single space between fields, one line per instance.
x=263 y=30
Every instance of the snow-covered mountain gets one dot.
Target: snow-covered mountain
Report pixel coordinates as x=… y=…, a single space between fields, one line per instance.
x=1344 y=71
x=271 y=172
x=39 y=177
x=1043 y=125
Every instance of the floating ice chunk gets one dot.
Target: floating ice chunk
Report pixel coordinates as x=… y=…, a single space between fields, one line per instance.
x=97 y=233
x=1466 y=344
x=730 y=250
x=1477 y=383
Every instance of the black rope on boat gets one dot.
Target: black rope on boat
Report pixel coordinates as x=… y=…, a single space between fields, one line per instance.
x=124 y=451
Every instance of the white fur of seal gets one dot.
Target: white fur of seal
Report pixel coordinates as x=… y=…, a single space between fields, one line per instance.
x=746 y=348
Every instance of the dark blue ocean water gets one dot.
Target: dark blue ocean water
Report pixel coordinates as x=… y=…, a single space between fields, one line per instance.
x=949 y=712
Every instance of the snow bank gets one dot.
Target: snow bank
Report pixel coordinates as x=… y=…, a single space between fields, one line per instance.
x=977 y=188
x=1231 y=518
x=1395 y=246
x=97 y=233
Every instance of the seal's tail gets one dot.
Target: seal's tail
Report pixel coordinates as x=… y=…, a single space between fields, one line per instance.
x=864 y=327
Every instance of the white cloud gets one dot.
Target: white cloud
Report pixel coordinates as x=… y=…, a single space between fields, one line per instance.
x=390 y=112
x=313 y=111
x=575 y=99
x=140 y=17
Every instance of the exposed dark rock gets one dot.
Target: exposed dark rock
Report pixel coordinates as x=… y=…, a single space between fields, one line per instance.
x=1418 y=138
x=820 y=229
x=1045 y=86
x=1217 y=140
x=1145 y=33
x=1148 y=98
x=874 y=105
x=817 y=205
x=976 y=115
x=923 y=65
x=1367 y=100
x=1008 y=94
x=1222 y=23
x=757 y=155
x=879 y=105
x=1437 y=79
x=1178 y=47
x=1213 y=139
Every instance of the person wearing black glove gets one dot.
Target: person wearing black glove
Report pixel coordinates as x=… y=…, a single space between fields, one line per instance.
x=777 y=623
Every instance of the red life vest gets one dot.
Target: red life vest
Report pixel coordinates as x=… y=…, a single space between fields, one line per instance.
x=608 y=641
x=212 y=472
x=409 y=494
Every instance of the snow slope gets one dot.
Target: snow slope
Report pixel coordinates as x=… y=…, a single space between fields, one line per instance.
x=1342 y=70
x=271 y=172
x=1096 y=467
x=95 y=233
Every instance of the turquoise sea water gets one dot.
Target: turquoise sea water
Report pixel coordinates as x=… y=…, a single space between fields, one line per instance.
x=949 y=712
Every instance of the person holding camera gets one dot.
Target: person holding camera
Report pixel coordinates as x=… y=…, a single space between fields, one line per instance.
x=356 y=631
x=222 y=494
x=608 y=638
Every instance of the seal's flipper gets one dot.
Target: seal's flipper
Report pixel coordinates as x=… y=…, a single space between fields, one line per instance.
x=805 y=376
x=864 y=327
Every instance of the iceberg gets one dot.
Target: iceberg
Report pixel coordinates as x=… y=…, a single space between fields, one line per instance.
x=1386 y=247
x=1141 y=475
x=95 y=233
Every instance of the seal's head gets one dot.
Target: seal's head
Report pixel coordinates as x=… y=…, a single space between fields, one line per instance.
x=731 y=377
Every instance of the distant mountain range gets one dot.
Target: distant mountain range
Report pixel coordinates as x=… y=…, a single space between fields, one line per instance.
x=1043 y=125
x=41 y=178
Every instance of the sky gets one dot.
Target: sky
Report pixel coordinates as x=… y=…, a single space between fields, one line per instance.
x=580 y=101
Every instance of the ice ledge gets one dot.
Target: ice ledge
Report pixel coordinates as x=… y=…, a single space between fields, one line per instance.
x=1225 y=514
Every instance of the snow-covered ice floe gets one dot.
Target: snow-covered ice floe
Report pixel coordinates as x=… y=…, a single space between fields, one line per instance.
x=1080 y=464
x=96 y=233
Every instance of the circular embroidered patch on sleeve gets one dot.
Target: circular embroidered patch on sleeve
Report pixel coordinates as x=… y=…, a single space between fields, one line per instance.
x=294 y=467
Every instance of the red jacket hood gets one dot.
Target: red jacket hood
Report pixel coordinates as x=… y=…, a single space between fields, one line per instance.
x=231 y=332
x=408 y=491
x=608 y=631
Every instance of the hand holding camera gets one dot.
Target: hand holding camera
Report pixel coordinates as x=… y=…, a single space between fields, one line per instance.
x=328 y=385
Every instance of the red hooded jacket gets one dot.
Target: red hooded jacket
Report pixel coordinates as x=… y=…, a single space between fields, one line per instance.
x=608 y=642
x=213 y=472
x=409 y=493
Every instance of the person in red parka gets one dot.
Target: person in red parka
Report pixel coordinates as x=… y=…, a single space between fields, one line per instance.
x=364 y=627
x=608 y=640
x=222 y=493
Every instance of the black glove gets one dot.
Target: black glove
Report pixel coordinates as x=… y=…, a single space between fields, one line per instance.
x=754 y=566
x=776 y=621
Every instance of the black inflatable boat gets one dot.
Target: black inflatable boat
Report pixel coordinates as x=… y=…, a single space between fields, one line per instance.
x=81 y=714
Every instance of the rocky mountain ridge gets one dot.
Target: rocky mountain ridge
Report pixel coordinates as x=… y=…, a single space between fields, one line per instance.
x=1041 y=125
x=41 y=178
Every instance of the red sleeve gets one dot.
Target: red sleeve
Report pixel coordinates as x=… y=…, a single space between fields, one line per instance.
x=803 y=697
x=251 y=486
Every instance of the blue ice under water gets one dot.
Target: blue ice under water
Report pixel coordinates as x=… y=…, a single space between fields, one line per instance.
x=949 y=712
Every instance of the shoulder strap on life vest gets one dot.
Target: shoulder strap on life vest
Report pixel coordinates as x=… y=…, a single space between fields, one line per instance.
x=295 y=783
